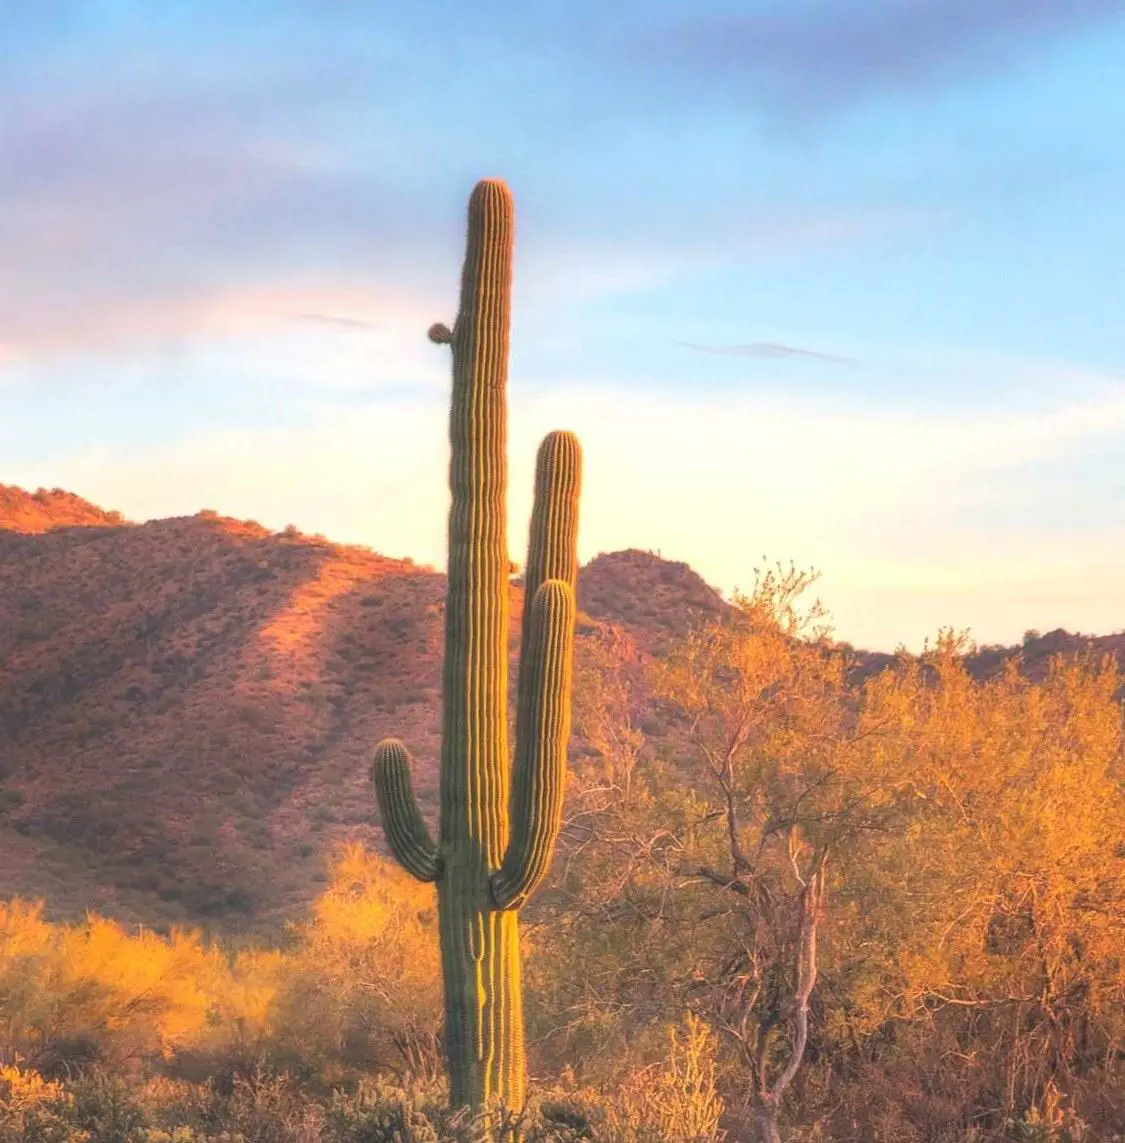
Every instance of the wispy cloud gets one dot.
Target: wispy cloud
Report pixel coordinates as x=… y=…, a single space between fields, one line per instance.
x=253 y=333
x=808 y=57
x=335 y=321
x=133 y=198
x=127 y=209
x=766 y=349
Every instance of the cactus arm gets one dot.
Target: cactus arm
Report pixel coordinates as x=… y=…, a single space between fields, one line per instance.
x=540 y=775
x=545 y=662
x=552 y=549
x=405 y=830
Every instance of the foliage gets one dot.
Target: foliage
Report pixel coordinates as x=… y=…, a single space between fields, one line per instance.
x=355 y=989
x=73 y=995
x=969 y=949
x=272 y=1109
x=363 y=988
x=675 y=1100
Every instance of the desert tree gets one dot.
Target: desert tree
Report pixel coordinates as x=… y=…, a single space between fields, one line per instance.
x=770 y=739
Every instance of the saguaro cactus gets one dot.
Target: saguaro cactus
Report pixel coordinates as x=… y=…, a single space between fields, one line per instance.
x=495 y=842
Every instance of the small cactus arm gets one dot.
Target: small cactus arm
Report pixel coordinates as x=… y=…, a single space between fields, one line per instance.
x=495 y=842
x=406 y=831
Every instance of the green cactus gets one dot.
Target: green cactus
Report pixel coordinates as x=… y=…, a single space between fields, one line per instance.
x=495 y=844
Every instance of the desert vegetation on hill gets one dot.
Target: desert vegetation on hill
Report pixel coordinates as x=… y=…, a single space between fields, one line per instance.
x=44 y=510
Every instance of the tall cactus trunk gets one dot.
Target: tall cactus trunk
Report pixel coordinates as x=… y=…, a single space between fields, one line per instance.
x=480 y=957
x=479 y=943
x=495 y=843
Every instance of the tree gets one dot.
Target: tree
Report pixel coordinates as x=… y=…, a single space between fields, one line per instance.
x=607 y=901
x=900 y=897
x=1009 y=969
x=768 y=733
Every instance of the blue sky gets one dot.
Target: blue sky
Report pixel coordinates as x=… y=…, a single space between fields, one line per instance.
x=829 y=281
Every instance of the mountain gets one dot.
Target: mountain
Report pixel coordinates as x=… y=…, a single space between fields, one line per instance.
x=654 y=599
x=1037 y=650
x=188 y=706
x=43 y=510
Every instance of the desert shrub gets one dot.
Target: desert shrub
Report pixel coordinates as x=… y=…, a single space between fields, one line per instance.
x=355 y=991
x=95 y=1108
x=261 y=1108
x=678 y=1099
x=361 y=991
x=104 y=1108
x=76 y=995
x=382 y=1112
x=32 y=1109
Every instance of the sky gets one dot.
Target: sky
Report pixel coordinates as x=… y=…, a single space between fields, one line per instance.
x=834 y=283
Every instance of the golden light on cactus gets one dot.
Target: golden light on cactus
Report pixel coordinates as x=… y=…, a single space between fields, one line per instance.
x=496 y=838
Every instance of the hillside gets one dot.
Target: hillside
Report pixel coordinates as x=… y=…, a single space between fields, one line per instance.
x=187 y=706
x=654 y=599
x=45 y=510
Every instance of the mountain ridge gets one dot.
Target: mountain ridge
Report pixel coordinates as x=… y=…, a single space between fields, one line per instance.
x=187 y=705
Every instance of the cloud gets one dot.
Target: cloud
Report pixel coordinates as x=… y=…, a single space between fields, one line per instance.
x=814 y=56
x=248 y=337
x=129 y=208
x=129 y=222
x=766 y=349
x=136 y=196
x=885 y=505
x=335 y=321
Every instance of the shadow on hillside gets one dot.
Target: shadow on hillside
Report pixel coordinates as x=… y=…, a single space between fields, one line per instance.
x=167 y=687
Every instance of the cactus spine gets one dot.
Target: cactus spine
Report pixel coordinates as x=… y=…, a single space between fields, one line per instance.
x=495 y=843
